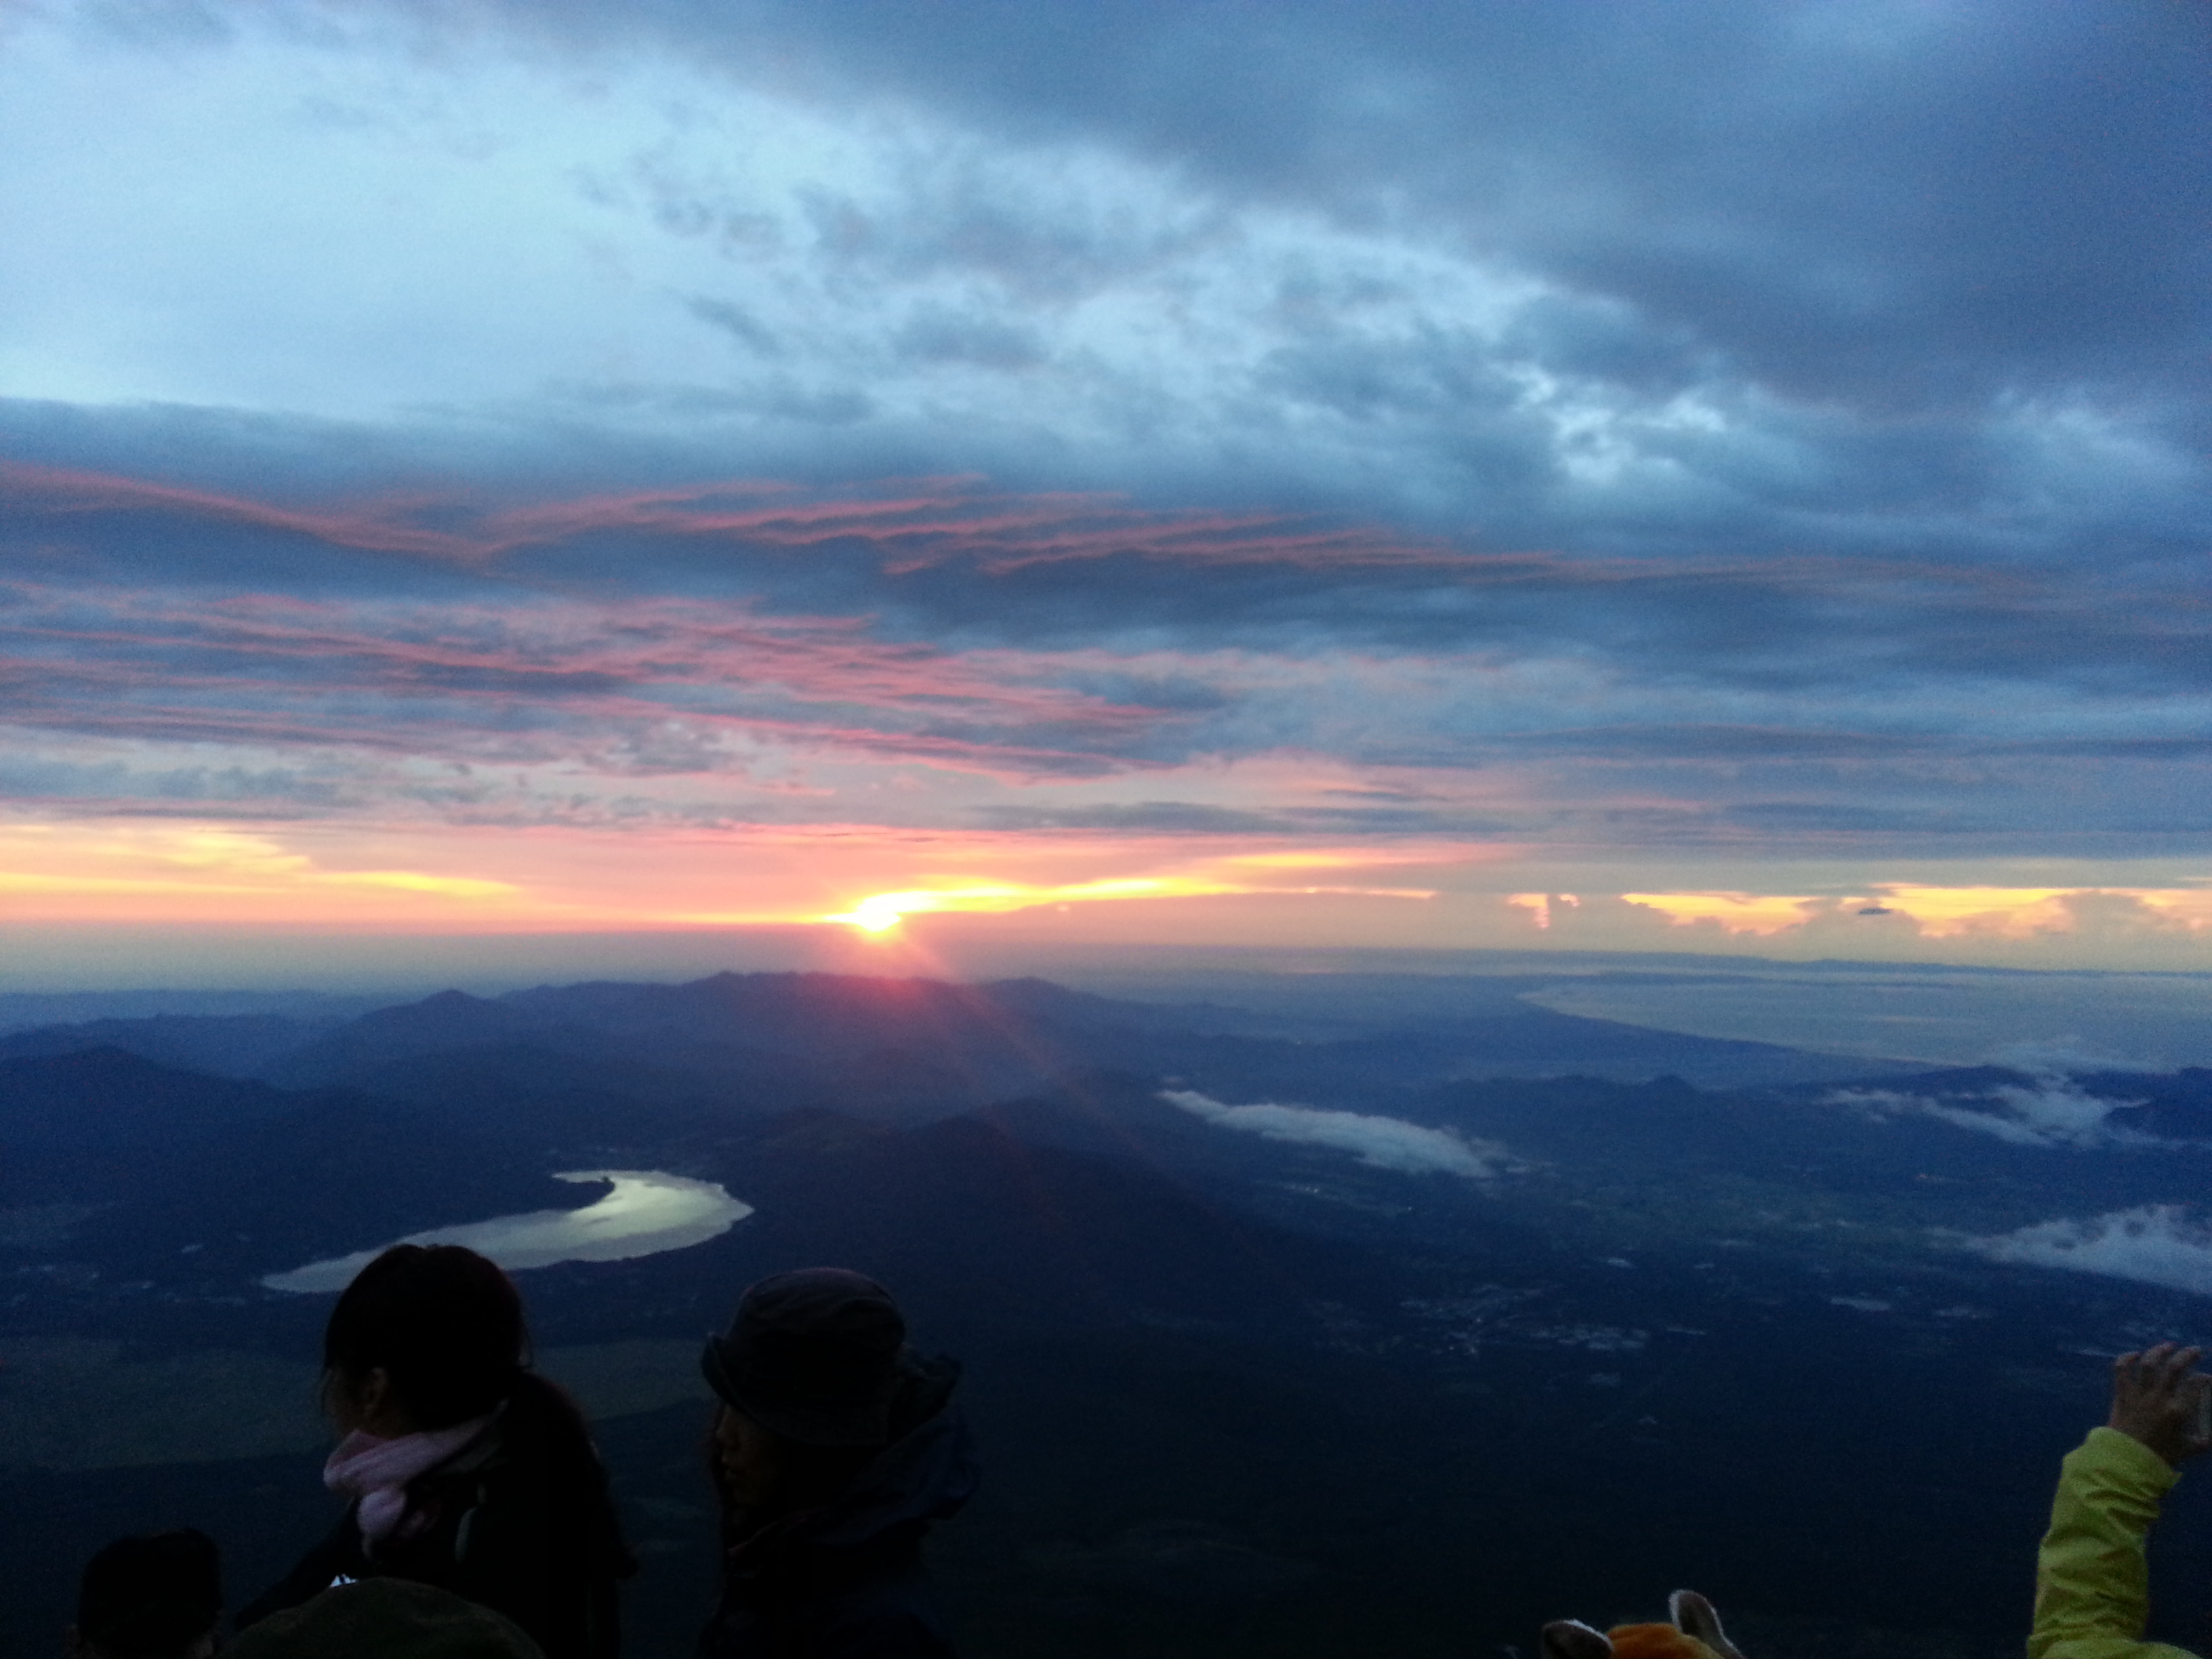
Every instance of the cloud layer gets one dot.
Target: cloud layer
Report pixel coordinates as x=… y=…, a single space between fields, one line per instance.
x=2057 y=1112
x=1736 y=436
x=2151 y=1244
x=1383 y=1143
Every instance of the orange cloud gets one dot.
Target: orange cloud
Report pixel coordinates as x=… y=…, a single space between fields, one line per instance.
x=1985 y=912
x=111 y=871
x=1738 y=913
x=863 y=881
x=1245 y=872
x=2023 y=912
x=549 y=879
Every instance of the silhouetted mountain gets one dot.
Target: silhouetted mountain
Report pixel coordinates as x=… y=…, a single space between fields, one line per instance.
x=104 y=1099
x=24 y=1011
x=228 y=1045
x=451 y=1019
x=335 y=1173
x=908 y=1050
x=250 y=1176
x=547 y=1097
x=611 y=1061
x=1120 y=1116
x=1042 y=1001
x=982 y=1229
x=898 y=1049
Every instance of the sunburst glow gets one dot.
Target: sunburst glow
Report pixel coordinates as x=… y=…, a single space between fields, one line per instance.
x=880 y=912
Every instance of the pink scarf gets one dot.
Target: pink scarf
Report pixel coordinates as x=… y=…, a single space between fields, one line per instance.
x=377 y=1471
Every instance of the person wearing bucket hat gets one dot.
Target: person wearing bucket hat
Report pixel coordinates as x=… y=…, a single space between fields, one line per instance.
x=836 y=1447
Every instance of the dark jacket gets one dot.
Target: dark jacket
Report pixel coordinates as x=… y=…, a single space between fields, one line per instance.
x=844 y=1580
x=522 y=1524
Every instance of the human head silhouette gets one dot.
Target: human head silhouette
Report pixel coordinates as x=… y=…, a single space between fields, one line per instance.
x=156 y=1596
x=425 y=1337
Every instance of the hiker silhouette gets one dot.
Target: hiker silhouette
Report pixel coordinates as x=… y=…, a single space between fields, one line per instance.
x=834 y=1447
x=156 y=1596
x=464 y=1469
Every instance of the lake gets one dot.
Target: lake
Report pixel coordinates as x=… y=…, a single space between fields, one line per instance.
x=643 y=1213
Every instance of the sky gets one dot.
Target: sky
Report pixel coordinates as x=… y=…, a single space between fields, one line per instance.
x=1699 y=477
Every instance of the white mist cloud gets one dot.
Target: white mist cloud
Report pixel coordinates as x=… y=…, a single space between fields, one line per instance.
x=2054 y=1112
x=1386 y=1143
x=2152 y=1244
x=2069 y=1054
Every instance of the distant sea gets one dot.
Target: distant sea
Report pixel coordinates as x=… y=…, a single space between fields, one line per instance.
x=1949 y=1016
x=2072 y=1021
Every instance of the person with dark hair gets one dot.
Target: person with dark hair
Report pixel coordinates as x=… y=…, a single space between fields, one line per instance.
x=834 y=1447
x=156 y=1597
x=465 y=1469
x=2092 y=1581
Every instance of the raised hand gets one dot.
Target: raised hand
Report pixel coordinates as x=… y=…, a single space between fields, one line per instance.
x=2160 y=1399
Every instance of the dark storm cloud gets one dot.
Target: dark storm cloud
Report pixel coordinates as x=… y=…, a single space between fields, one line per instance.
x=1859 y=278
x=1909 y=201
x=1778 y=422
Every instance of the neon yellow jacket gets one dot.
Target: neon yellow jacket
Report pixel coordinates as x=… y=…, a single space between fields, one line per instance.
x=2092 y=1584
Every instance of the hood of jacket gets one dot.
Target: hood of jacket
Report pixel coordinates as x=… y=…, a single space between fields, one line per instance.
x=926 y=1473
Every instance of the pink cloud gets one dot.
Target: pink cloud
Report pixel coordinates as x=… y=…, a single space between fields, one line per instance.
x=914 y=525
x=928 y=523
x=480 y=677
x=378 y=527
